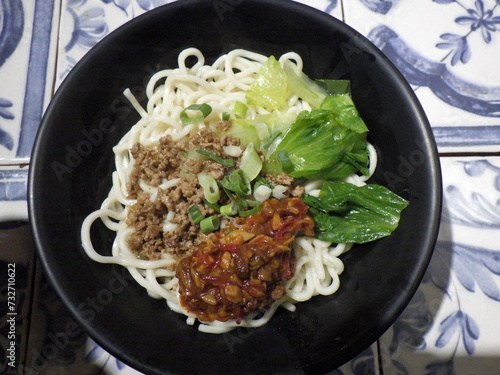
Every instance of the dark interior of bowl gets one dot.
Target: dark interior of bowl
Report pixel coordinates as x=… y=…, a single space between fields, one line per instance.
x=71 y=170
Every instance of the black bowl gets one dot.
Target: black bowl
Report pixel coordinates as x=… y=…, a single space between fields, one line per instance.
x=71 y=170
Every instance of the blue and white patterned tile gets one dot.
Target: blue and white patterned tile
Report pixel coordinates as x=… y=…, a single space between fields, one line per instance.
x=27 y=51
x=332 y=7
x=450 y=326
x=57 y=345
x=86 y=22
x=448 y=51
x=13 y=192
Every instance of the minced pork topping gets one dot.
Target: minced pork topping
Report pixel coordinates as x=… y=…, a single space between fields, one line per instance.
x=170 y=160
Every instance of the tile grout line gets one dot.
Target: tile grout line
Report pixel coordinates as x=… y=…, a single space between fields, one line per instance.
x=36 y=75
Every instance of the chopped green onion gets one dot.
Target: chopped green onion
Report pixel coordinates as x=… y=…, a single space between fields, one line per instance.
x=210 y=188
x=225 y=116
x=237 y=182
x=209 y=224
x=205 y=110
x=259 y=181
x=271 y=139
x=262 y=131
x=230 y=209
x=251 y=164
x=251 y=211
x=195 y=214
x=218 y=159
x=262 y=192
x=213 y=206
x=240 y=109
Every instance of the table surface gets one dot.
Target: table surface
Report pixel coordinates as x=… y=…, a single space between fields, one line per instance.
x=449 y=51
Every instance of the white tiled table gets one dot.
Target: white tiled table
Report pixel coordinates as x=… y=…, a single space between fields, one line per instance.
x=449 y=50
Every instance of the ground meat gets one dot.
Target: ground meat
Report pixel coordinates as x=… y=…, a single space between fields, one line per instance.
x=166 y=161
x=287 y=181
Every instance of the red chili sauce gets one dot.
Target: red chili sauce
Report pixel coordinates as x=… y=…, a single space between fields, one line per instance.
x=243 y=268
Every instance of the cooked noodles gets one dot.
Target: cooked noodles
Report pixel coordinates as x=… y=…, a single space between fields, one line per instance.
x=221 y=85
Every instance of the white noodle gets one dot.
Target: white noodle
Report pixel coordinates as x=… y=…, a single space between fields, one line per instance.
x=169 y=91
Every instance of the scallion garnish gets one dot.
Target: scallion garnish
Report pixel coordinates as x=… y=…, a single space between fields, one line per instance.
x=209 y=224
x=251 y=164
x=240 y=110
x=195 y=214
x=225 y=116
x=205 y=110
x=251 y=211
x=259 y=181
x=210 y=187
x=230 y=209
x=237 y=182
x=213 y=206
x=218 y=159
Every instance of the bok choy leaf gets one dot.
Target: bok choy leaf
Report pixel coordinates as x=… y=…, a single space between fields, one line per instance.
x=327 y=143
x=344 y=212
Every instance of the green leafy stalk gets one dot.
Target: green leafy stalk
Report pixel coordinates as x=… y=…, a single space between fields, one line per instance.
x=345 y=213
x=270 y=87
x=323 y=143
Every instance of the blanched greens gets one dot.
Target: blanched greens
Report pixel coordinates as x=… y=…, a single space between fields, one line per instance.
x=327 y=143
x=344 y=212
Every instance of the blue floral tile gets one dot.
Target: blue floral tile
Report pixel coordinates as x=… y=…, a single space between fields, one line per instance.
x=13 y=190
x=332 y=7
x=450 y=326
x=27 y=51
x=86 y=22
x=57 y=345
x=448 y=51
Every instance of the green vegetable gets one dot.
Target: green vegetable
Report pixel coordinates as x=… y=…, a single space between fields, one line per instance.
x=205 y=110
x=209 y=224
x=213 y=206
x=271 y=139
x=251 y=164
x=245 y=131
x=269 y=89
x=251 y=211
x=195 y=214
x=210 y=187
x=322 y=144
x=335 y=86
x=240 y=110
x=225 y=116
x=218 y=159
x=236 y=182
x=344 y=212
x=230 y=209
x=261 y=181
x=303 y=86
x=345 y=112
